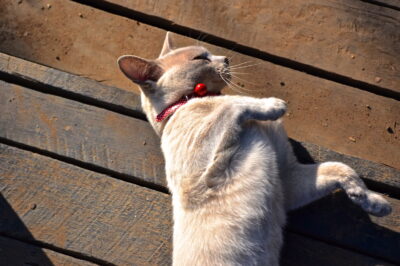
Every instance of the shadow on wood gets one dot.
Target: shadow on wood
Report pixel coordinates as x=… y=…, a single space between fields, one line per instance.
x=337 y=220
x=14 y=252
x=302 y=154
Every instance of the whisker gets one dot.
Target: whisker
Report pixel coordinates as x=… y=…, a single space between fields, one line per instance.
x=233 y=72
x=230 y=85
x=242 y=63
x=236 y=87
x=231 y=54
x=255 y=84
x=239 y=67
x=203 y=36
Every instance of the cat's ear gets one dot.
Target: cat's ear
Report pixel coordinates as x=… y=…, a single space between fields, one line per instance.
x=168 y=46
x=139 y=70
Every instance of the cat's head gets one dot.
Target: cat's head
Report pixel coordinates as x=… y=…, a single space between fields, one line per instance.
x=174 y=74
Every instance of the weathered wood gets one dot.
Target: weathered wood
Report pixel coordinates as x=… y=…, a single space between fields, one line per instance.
x=56 y=81
x=113 y=141
x=308 y=152
x=352 y=38
x=321 y=112
x=336 y=220
x=13 y=252
x=86 y=133
x=52 y=123
x=393 y=4
x=118 y=222
x=82 y=211
x=301 y=251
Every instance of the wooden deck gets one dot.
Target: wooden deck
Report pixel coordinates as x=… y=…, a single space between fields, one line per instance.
x=82 y=177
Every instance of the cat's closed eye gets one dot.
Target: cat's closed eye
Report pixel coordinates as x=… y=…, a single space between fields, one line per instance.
x=201 y=57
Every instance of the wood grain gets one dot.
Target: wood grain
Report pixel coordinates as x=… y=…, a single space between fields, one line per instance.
x=367 y=169
x=127 y=146
x=118 y=222
x=393 y=4
x=82 y=211
x=55 y=81
x=113 y=141
x=336 y=220
x=352 y=38
x=322 y=112
x=68 y=128
x=302 y=251
x=13 y=252
x=82 y=132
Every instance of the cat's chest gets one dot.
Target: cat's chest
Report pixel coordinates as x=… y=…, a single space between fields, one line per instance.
x=188 y=145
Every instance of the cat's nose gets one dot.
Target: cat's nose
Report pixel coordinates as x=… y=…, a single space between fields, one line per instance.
x=226 y=61
x=220 y=59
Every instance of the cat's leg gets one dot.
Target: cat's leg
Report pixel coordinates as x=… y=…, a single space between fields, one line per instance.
x=304 y=183
x=228 y=126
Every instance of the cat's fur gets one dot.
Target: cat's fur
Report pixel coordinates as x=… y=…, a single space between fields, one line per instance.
x=229 y=165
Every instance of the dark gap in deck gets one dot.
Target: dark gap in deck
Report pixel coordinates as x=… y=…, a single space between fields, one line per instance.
x=390 y=191
x=378 y=3
x=340 y=246
x=74 y=254
x=49 y=89
x=243 y=49
x=86 y=165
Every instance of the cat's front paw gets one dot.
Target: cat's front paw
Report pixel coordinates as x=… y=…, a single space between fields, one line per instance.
x=276 y=106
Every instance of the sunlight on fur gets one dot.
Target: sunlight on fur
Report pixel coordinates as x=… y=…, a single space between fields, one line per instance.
x=230 y=168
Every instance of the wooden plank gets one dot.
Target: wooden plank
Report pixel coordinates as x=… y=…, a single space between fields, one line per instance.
x=79 y=210
x=82 y=211
x=109 y=140
x=393 y=4
x=301 y=251
x=86 y=133
x=335 y=220
x=67 y=128
x=56 y=81
x=13 y=252
x=308 y=152
x=354 y=39
x=338 y=117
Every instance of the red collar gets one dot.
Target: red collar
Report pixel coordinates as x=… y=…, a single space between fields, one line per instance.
x=176 y=105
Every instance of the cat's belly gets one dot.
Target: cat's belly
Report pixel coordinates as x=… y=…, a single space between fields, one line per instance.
x=241 y=223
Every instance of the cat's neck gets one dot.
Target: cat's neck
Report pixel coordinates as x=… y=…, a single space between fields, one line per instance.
x=151 y=115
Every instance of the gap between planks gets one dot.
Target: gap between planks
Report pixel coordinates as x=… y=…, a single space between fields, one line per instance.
x=85 y=165
x=63 y=251
x=37 y=162
x=168 y=25
x=25 y=95
x=45 y=88
x=76 y=96
x=97 y=99
x=382 y=4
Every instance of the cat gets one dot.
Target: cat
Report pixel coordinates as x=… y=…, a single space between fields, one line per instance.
x=229 y=166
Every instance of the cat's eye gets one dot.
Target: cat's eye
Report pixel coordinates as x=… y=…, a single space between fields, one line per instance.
x=201 y=57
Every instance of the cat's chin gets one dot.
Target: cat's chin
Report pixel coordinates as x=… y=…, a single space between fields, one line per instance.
x=224 y=73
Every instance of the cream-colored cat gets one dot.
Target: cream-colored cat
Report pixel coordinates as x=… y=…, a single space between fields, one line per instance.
x=229 y=165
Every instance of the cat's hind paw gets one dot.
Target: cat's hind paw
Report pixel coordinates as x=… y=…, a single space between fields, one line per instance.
x=376 y=205
x=371 y=202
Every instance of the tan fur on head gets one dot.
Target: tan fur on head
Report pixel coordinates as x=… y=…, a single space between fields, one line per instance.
x=174 y=74
x=229 y=165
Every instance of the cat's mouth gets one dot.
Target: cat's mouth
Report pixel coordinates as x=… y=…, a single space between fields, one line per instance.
x=225 y=74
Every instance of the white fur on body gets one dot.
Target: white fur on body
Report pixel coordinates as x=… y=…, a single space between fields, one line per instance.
x=239 y=219
x=229 y=165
